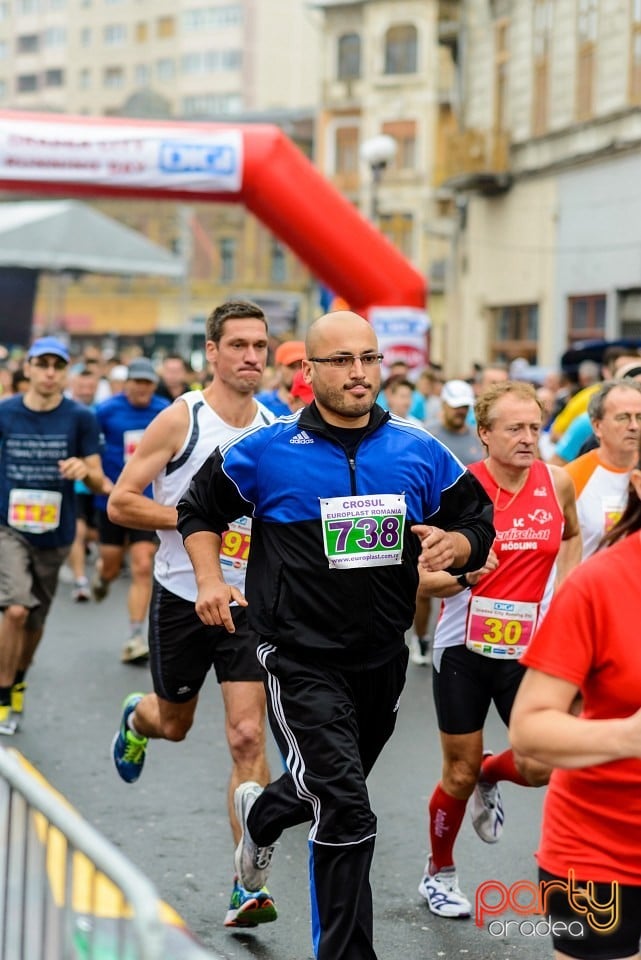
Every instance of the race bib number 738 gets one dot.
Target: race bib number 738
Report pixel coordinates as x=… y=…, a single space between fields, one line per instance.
x=363 y=531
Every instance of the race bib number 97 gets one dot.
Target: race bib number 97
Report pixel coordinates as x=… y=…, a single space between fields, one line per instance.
x=234 y=549
x=363 y=531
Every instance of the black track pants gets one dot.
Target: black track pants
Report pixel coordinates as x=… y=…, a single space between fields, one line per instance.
x=330 y=726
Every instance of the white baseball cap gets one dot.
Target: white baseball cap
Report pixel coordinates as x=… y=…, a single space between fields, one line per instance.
x=119 y=373
x=457 y=393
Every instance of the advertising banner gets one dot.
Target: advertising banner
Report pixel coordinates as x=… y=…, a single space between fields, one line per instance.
x=149 y=157
x=402 y=335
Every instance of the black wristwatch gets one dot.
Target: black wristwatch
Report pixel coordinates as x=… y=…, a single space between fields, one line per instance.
x=463 y=581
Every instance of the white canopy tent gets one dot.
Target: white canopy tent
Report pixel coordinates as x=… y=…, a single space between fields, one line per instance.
x=58 y=235
x=66 y=236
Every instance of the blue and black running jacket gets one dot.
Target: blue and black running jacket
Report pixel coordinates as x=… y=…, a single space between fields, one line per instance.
x=277 y=474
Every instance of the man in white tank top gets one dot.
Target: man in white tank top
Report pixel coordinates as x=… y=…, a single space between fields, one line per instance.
x=182 y=648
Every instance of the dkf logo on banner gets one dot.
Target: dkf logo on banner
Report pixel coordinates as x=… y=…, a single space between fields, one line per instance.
x=527 y=899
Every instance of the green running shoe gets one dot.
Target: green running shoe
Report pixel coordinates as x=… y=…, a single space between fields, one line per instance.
x=249 y=909
x=127 y=749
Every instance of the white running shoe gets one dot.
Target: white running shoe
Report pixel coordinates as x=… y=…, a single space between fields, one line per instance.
x=81 y=591
x=486 y=809
x=443 y=894
x=420 y=652
x=253 y=863
x=136 y=650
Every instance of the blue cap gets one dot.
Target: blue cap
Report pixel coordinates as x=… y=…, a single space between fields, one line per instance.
x=45 y=345
x=142 y=369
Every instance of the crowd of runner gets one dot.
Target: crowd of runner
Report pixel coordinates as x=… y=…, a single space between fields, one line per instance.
x=484 y=503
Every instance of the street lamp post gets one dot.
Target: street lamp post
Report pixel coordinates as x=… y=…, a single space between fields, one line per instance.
x=377 y=153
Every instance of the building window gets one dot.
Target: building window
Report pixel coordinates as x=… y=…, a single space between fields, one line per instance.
x=27 y=83
x=84 y=79
x=586 y=58
x=231 y=59
x=399 y=230
x=401 y=49
x=404 y=133
x=192 y=63
x=212 y=104
x=586 y=317
x=115 y=34
x=635 y=52
x=54 y=78
x=165 y=69
x=85 y=37
x=349 y=56
x=142 y=74
x=346 y=152
x=54 y=37
x=543 y=19
x=227 y=253
x=28 y=6
x=211 y=18
x=165 y=27
x=278 y=263
x=501 y=64
x=113 y=78
x=630 y=313
x=514 y=332
x=142 y=32
x=4 y=50
x=28 y=43
x=211 y=61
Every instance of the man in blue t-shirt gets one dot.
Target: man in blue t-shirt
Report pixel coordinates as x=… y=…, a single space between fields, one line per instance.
x=47 y=443
x=123 y=419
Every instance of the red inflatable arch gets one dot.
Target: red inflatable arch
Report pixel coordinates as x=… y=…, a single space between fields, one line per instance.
x=256 y=165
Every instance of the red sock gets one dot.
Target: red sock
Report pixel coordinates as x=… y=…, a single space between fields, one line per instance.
x=501 y=767
x=446 y=816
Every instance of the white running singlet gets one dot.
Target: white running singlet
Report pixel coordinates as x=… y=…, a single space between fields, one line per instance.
x=172 y=566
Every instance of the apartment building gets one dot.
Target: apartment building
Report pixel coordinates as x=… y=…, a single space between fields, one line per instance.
x=193 y=59
x=384 y=73
x=545 y=166
x=250 y=60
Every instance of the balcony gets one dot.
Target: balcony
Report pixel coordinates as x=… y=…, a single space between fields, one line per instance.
x=449 y=23
x=475 y=160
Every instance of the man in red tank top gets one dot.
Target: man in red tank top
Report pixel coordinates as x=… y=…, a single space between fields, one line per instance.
x=486 y=621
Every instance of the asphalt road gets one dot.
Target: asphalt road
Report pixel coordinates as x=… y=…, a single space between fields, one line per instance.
x=173 y=824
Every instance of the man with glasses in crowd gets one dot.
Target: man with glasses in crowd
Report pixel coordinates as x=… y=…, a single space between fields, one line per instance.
x=47 y=443
x=345 y=501
x=601 y=477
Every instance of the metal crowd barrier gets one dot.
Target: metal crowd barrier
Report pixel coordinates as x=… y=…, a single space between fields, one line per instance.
x=66 y=893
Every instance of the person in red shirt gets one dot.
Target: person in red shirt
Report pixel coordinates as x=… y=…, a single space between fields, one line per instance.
x=591 y=831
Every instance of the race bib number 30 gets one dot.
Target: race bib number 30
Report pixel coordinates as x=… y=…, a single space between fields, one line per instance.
x=500 y=628
x=363 y=531
x=34 y=511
